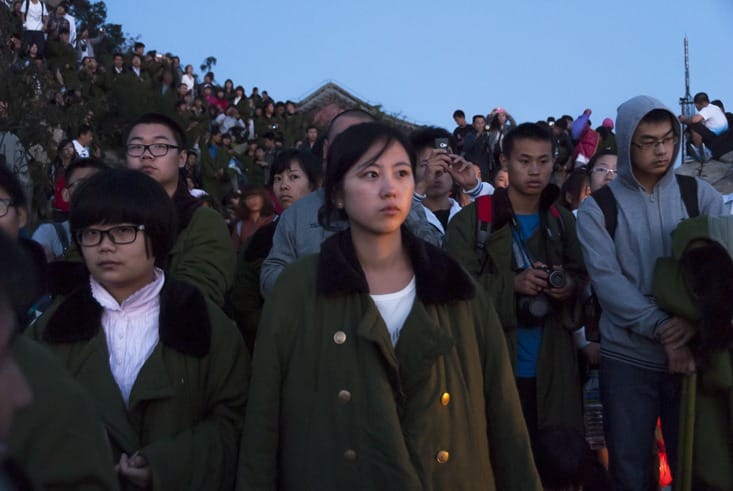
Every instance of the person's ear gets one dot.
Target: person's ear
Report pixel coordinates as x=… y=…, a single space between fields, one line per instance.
x=182 y=156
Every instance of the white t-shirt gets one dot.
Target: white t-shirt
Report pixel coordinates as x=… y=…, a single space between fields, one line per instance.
x=188 y=81
x=34 y=17
x=395 y=307
x=72 y=29
x=714 y=119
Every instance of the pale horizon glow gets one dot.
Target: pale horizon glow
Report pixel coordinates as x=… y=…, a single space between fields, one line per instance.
x=423 y=60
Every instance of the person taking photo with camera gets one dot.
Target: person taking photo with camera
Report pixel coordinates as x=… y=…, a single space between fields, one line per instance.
x=523 y=251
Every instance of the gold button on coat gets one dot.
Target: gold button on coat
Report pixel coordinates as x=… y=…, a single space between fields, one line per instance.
x=445 y=398
x=339 y=337
x=442 y=457
x=344 y=396
x=350 y=455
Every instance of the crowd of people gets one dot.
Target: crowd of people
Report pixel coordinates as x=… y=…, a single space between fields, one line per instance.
x=244 y=303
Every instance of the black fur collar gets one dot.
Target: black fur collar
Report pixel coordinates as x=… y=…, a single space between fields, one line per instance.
x=438 y=277
x=184 y=319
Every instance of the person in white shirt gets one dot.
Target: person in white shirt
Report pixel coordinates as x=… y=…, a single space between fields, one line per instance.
x=82 y=142
x=707 y=124
x=230 y=119
x=188 y=79
x=35 y=19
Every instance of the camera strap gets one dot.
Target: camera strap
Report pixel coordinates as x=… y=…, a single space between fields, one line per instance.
x=523 y=258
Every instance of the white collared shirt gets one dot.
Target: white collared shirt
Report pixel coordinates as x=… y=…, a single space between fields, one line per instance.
x=131 y=329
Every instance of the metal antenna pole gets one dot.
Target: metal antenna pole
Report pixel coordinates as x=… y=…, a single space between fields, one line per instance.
x=686 y=103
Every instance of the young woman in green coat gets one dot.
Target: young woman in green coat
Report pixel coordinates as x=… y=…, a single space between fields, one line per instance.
x=167 y=369
x=376 y=365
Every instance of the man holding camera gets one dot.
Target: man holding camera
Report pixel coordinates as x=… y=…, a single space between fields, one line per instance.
x=524 y=252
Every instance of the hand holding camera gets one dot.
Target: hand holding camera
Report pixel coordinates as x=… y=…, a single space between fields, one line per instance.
x=536 y=288
x=532 y=281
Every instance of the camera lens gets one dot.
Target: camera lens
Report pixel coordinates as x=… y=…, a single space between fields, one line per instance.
x=556 y=279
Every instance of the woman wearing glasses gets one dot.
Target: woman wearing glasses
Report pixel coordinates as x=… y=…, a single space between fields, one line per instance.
x=602 y=169
x=167 y=368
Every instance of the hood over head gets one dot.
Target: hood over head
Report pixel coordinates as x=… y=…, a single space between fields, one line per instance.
x=628 y=117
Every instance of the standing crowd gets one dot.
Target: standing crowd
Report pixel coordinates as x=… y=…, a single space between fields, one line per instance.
x=244 y=304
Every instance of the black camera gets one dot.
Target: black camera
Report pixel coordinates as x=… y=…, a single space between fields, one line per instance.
x=555 y=278
x=532 y=309
x=442 y=144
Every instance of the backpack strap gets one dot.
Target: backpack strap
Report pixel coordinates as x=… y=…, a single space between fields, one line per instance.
x=688 y=190
x=61 y=234
x=607 y=203
x=484 y=217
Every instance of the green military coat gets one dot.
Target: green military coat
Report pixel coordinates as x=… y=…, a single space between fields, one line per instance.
x=59 y=439
x=334 y=406
x=187 y=406
x=204 y=256
x=558 y=387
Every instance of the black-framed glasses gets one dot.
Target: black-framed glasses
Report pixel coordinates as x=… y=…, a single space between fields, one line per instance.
x=155 y=149
x=5 y=205
x=123 y=234
x=607 y=172
x=652 y=144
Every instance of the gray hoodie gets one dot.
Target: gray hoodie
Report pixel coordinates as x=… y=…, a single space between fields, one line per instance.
x=622 y=268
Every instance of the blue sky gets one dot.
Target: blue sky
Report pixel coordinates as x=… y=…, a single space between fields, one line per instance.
x=424 y=59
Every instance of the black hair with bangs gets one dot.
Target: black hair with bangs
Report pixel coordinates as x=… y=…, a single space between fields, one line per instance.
x=347 y=149
x=126 y=196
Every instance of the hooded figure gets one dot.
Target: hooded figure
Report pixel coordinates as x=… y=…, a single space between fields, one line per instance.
x=636 y=384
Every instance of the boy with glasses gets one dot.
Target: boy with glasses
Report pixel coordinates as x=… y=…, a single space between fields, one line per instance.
x=203 y=254
x=643 y=348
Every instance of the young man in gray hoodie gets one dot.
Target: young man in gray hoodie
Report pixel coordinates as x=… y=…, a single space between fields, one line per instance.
x=643 y=348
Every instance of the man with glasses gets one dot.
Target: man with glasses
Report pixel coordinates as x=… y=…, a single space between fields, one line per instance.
x=203 y=254
x=643 y=348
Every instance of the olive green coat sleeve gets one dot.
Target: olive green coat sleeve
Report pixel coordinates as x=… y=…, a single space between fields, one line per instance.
x=203 y=255
x=59 y=439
